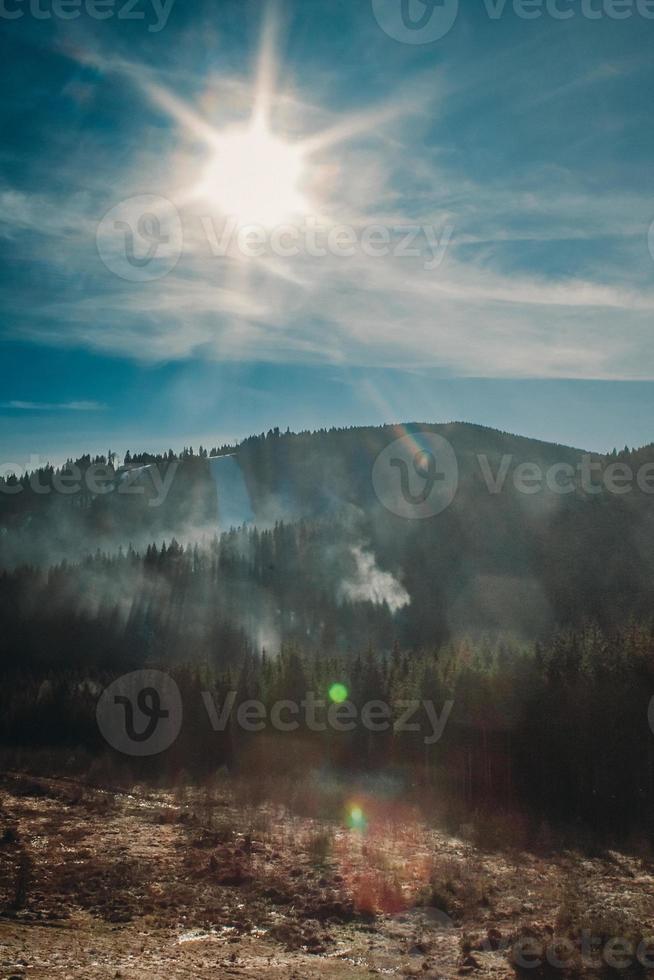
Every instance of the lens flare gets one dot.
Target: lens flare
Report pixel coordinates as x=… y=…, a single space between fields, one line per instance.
x=338 y=693
x=356 y=819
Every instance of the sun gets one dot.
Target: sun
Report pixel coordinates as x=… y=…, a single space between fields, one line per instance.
x=255 y=176
x=251 y=173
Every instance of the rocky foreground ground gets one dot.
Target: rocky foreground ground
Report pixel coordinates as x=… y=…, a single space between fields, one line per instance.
x=99 y=884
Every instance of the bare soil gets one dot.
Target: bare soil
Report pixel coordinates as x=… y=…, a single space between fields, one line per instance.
x=97 y=884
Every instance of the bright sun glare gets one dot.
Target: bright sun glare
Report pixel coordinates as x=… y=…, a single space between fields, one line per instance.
x=255 y=176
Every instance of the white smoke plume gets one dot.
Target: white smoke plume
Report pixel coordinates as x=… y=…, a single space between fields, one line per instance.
x=371 y=584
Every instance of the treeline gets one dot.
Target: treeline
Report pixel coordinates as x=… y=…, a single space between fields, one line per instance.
x=557 y=732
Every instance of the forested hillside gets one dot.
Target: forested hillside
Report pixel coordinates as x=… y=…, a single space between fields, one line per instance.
x=528 y=610
x=326 y=562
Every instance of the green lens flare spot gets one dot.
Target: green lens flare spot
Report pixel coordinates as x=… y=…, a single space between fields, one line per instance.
x=356 y=819
x=338 y=693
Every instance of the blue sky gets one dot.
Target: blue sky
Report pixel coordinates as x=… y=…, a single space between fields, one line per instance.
x=516 y=151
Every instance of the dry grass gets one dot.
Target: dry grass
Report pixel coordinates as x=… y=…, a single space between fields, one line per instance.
x=254 y=877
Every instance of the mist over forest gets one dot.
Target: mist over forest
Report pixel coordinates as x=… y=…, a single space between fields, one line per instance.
x=321 y=561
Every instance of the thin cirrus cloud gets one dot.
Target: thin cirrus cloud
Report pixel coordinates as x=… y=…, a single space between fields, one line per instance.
x=26 y=406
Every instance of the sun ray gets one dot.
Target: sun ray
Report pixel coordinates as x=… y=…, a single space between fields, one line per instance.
x=182 y=113
x=353 y=125
x=267 y=68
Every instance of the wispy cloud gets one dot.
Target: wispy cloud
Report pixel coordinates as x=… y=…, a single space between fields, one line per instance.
x=547 y=274
x=81 y=406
